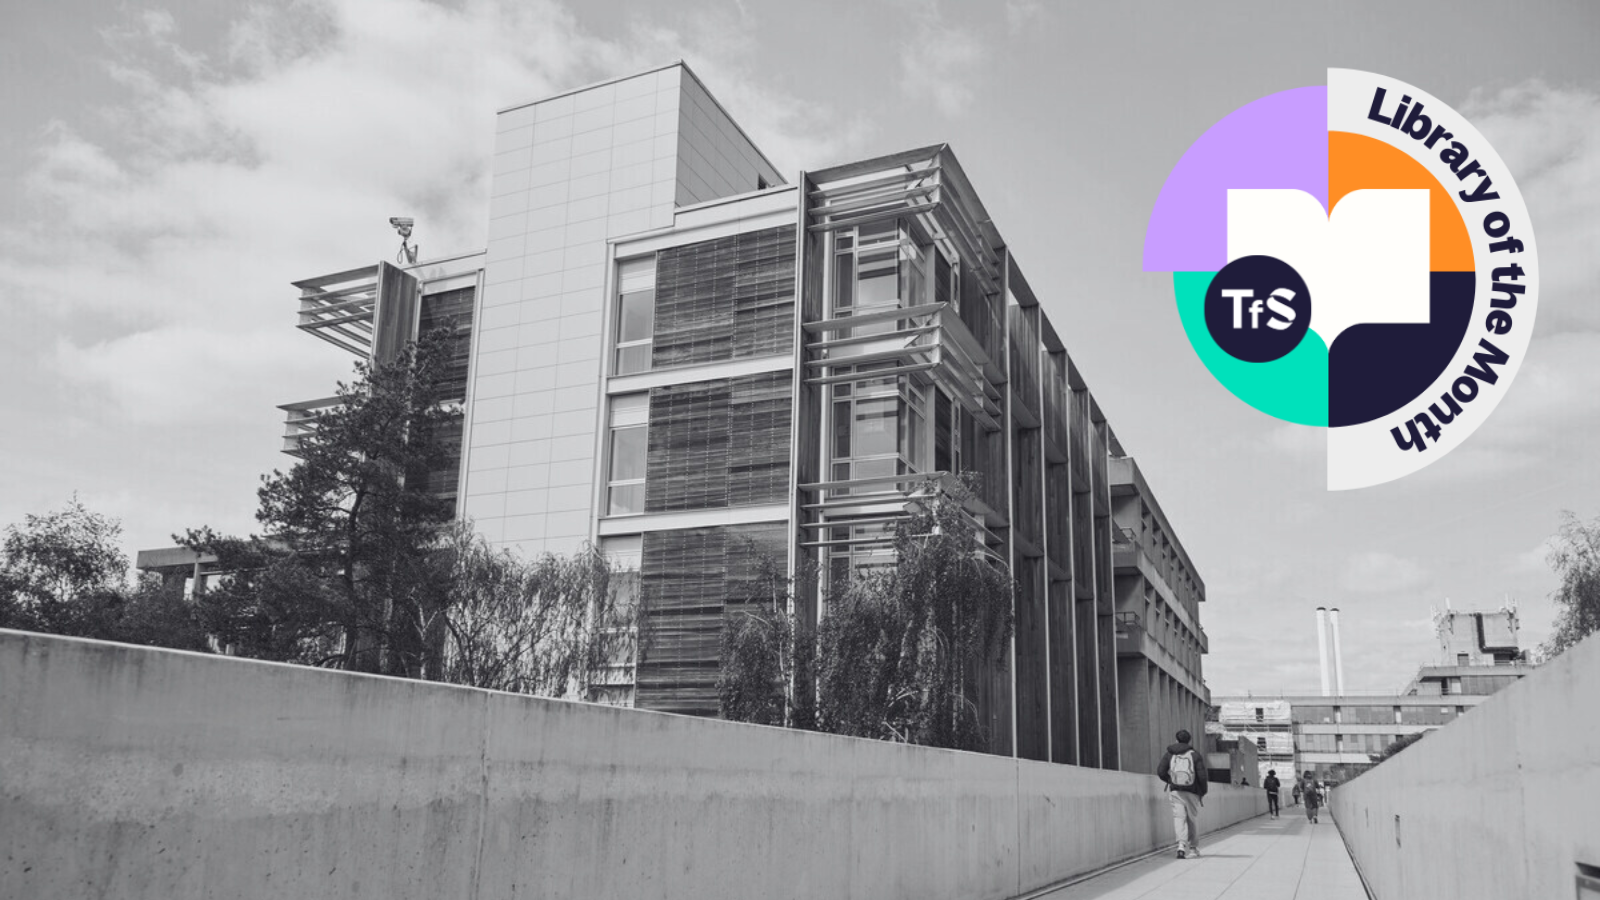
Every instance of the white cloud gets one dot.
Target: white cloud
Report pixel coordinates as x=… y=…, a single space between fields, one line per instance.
x=1533 y=561
x=1021 y=14
x=1299 y=442
x=145 y=263
x=721 y=48
x=1550 y=139
x=1377 y=572
x=940 y=62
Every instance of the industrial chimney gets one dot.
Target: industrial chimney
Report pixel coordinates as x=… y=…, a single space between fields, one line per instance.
x=1322 y=645
x=1338 y=652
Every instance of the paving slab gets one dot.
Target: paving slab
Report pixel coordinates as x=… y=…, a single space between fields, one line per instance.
x=1263 y=858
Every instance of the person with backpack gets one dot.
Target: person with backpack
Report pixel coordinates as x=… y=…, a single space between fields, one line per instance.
x=1313 y=797
x=1271 y=784
x=1185 y=775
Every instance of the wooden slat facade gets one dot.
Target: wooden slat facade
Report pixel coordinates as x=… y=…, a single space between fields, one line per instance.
x=720 y=443
x=729 y=298
x=690 y=579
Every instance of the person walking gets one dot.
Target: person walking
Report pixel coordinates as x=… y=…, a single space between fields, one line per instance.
x=1185 y=775
x=1271 y=784
x=1294 y=795
x=1313 y=797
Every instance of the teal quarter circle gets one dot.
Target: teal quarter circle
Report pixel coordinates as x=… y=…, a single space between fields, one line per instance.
x=1293 y=387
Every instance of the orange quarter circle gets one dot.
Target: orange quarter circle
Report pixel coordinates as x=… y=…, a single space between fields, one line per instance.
x=1357 y=162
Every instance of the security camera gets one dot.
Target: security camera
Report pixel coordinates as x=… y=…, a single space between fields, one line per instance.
x=402 y=224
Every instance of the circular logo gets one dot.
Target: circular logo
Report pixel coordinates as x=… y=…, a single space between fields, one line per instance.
x=1391 y=210
x=1258 y=308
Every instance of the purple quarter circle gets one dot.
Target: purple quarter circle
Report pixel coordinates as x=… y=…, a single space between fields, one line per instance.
x=1279 y=141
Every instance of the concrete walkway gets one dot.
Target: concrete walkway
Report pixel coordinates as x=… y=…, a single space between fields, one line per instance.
x=1260 y=859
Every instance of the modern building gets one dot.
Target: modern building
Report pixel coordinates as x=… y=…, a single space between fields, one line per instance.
x=1340 y=735
x=686 y=358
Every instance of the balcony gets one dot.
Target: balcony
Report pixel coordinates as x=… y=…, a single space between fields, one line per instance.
x=339 y=308
x=926 y=338
x=1131 y=635
x=869 y=507
x=301 y=421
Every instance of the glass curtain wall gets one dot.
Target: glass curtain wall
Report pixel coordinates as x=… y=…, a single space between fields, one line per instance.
x=882 y=423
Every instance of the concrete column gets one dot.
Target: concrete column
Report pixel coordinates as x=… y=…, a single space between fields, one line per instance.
x=1338 y=652
x=1322 y=646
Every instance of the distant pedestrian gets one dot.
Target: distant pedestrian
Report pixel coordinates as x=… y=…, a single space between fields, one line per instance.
x=1294 y=795
x=1312 y=792
x=1271 y=785
x=1243 y=781
x=1184 y=772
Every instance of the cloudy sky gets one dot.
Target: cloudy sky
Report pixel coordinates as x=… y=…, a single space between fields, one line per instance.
x=166 y=170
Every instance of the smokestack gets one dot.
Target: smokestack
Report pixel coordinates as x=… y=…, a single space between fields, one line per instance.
x=1338 y=652
x=1322 y=645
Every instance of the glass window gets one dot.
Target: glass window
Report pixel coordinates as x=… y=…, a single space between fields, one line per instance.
x=914 y=444
x=636 y=313
x=844 y=279
x=860 y=547
x=627 y=454
x=626 y=553
x=945 y=442
x=877 y=284
x=944 y=281
x=879 y=267
x=873 y=431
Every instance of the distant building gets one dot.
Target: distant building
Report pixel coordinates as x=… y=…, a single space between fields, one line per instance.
x=1232 y=760
x=1339 y=736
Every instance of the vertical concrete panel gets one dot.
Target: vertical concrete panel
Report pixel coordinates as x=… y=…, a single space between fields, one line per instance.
x=1500 y=803
x=131 y=772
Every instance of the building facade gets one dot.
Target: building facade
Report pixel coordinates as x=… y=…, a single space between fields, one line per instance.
x=701 y=367
x=1159 y=638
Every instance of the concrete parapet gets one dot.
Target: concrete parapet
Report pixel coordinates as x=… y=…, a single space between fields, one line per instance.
x=141 y=773
x=1503 y=802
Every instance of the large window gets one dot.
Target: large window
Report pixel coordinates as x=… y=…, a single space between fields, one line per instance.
x=878 y=427
x=626 y=454
x=856 y=547
x=879 y=267
x=636 y=313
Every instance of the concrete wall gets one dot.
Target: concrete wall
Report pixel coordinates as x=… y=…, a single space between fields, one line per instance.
x=140 y=773
x=1500 y=803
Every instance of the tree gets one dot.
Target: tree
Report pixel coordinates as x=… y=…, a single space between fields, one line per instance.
x=1575 y=557
x=1398 y=744
x=52 y=558
x=63 y=573
x=553 y=627
x=341 y=574
x=898 y=646
x=767 y=654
